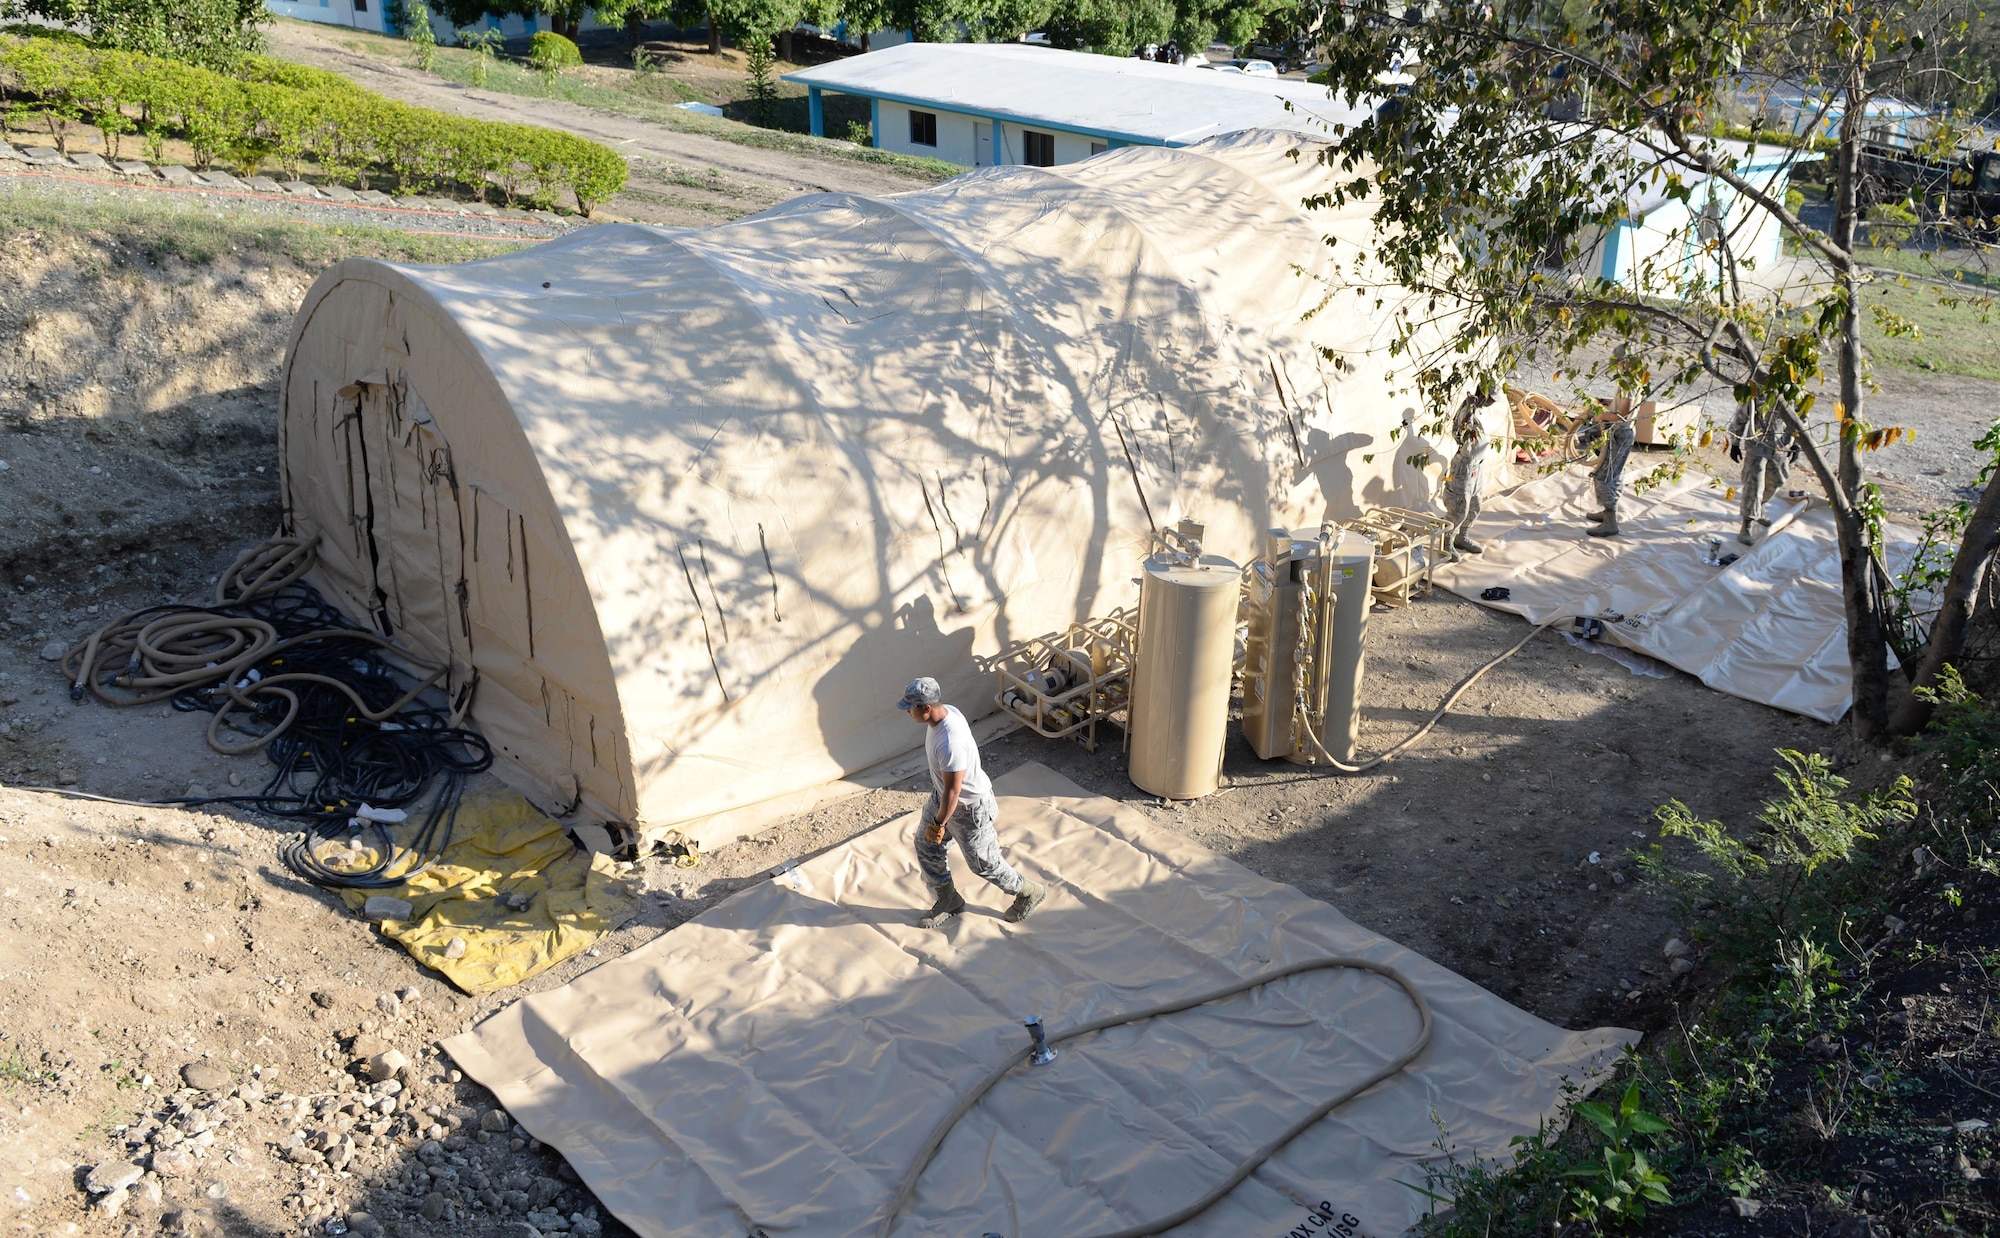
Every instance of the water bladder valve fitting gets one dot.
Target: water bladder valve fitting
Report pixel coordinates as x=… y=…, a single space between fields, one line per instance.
x=1041 y=1054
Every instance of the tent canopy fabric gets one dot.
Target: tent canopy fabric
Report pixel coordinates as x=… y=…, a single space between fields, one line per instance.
x=776 y=1064
x=682 y=509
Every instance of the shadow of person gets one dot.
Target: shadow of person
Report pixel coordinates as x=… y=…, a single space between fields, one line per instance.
x=1327 y=463
x=855 y=697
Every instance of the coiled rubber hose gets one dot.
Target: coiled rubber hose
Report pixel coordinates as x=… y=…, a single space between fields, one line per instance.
x=1256 y=1159
x=338 y=710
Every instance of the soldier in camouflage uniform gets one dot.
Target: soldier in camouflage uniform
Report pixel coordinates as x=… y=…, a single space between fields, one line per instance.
x=1766 y=447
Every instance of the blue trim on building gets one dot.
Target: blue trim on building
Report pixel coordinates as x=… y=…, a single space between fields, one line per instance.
x=877 y=98
x=815 y=112
x=1617 y=253
x=999 y=144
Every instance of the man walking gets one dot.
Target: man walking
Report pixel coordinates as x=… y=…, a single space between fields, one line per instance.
x=961 y=807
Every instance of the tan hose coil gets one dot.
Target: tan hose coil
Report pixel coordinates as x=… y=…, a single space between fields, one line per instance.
x=1249 y=1165
x=152 y=654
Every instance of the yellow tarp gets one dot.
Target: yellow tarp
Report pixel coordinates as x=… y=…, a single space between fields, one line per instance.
x=514 y=888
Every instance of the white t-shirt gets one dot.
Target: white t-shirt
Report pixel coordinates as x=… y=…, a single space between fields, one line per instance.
x=948 y=747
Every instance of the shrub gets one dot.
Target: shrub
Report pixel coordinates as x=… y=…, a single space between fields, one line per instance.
x=217 y=34
x=1785 y=880
x=417 y=29
x=485 y=45
x=551 y=53
x=292 y=114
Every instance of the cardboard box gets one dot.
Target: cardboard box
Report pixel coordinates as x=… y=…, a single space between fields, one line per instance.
x=1653 y=425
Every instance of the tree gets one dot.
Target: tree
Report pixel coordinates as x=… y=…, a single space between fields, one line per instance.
x=485 y=45
x=215 y=34
x=1534 y=128
x=417 y=29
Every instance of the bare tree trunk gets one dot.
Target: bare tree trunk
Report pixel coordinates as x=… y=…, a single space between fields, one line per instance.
x=1961 y=595
x=1867 y=643
x=714 y=34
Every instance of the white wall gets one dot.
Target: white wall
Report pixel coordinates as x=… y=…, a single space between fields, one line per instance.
x=968 y=140
x=957 y=135
x=1070 y=147
x=331 y=12
x=1669 y=238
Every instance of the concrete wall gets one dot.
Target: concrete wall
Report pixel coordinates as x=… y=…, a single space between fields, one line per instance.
x=1669 y=239
x=1070 y=147
x=332 y=12
x=968 y=140
x=958 y=135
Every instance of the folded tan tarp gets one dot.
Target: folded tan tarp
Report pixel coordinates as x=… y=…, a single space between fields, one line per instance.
x=776 y=1063
x=1768 y=628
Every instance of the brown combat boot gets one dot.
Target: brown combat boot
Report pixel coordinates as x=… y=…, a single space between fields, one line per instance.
x=1031 y=896
x=949 y=903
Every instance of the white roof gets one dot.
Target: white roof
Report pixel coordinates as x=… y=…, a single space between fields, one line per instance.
x=1130 y=99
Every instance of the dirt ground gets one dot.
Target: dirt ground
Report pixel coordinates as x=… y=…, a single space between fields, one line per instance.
x=171 y=999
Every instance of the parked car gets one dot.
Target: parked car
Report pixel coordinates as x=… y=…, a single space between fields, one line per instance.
x=1252 y=68
x=1286 y=56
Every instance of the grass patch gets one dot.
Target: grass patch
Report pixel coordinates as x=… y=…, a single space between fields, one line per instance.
x=1954 y=331
x=161 y=233
x=653 y=97
x=1978 y=268
x=1927 y=326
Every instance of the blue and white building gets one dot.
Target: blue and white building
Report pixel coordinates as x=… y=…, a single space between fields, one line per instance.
x=1671 y=235
x=981 y=104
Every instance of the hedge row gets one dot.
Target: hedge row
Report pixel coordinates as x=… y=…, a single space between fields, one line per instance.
x=288 y=114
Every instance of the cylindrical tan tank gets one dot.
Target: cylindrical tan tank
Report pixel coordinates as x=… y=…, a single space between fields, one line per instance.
x=1180 y=687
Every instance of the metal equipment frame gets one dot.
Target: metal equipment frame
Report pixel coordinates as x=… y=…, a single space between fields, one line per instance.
x=1097 y=655
x=1408 y=547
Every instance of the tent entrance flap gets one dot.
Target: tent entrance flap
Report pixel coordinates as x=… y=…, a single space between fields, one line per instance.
x=780 y=1061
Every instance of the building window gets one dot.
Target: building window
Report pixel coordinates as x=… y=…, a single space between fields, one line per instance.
x=923 y=128
x=1040 y=149
x=1098 y=148
x=361 y=6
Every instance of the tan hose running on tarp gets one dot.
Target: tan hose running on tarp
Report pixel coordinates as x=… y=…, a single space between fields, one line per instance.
x=1437 y=715
x=1256 y=1159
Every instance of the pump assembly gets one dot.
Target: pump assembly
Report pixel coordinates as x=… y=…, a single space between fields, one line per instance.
x=1306 y=611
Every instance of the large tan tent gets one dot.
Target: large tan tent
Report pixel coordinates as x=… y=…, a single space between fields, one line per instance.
x=684 y=509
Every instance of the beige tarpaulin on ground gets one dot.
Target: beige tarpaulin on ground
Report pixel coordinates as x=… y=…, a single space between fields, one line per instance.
x=684 y=509
x=774 y=1064
x=513 y=887
x=1768 y=628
